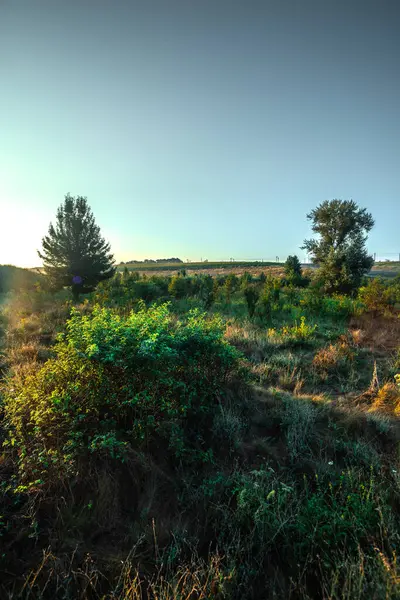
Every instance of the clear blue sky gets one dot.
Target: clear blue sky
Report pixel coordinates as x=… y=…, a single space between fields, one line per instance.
x=198 y=128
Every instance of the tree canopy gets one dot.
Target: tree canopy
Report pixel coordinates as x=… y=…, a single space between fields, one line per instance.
x=340 y=251
x=74 y=253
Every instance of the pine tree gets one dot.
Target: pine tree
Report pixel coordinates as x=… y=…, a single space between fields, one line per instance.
x=74 y=253
x=293 y=269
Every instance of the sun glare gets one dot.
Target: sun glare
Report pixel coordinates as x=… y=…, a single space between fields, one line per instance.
x=22 y=237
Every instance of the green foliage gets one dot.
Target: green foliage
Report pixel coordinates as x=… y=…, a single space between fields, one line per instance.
x=74 y=253
x=340 y=252
x=245 y=280
x=297 y=333
x=134 y=435
x=118 y=384
x=231 y=285
x=126 y=291
x=251 y=295
x=206 y=291
x=378 y=297
x=294 y=274
x=331 y=515
x=270 y=300
x=272 y=289
x=179 y=286
x=262 y=277
x=292 y=267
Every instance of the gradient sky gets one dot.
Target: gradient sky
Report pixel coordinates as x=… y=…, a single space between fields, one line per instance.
x=198 y=128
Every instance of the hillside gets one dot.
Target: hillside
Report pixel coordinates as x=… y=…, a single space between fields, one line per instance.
x=17 y=279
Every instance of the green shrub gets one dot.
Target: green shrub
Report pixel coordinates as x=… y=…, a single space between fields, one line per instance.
x=313 y=525
x=231 y=284
x=118 y=384
x=378 y=297
x=293 y=272
x=207 y=291
x=251 y=295
x=312 y=299
x=245 y=280
x=179 y=286
x=297 y=333
x=265 y=309
x=124 y=290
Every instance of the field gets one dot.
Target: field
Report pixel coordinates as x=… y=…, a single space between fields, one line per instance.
x=187 y=436
x=385 y=269
x=381 y=269
x=212 y=268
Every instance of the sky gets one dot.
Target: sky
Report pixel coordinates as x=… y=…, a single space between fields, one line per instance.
x=198 y=128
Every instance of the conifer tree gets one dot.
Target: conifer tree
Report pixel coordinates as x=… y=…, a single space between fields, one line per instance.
x=74 y=253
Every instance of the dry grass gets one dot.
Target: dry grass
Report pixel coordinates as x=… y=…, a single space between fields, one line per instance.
x=216 y=271
x=329 y=358
x=380 y=333
x=387 y=400
x=197 y=580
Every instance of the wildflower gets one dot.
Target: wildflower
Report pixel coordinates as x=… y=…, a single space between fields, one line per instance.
x=330 y=462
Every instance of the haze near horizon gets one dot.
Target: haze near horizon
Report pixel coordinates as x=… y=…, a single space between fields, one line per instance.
x=198 y=130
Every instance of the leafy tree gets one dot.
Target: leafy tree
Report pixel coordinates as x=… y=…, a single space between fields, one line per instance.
x=74 y=253
x=340 y=251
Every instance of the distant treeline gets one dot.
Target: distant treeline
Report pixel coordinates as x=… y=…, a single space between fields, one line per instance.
x=150 y=260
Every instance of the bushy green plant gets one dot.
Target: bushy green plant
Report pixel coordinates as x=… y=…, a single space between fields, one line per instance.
x=231 y=284
x=312 y=299
x=297 y=333
x=251 y=295
x=272 y=289
x=206 y=291
x=377 y=297
x=265 y=309
x=245 y=280
x=179 y=286
x=118 y=384
x=317 y=524
x=340 y=306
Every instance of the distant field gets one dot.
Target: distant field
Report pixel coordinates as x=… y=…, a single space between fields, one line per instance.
x=395 y=265
x=195 y=266
x=213 y=268
x=380 y=269
x=385 y=269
